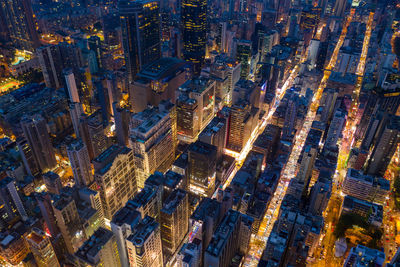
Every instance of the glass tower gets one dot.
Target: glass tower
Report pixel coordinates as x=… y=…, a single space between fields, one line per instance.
x=141 y=39
x=194 y=20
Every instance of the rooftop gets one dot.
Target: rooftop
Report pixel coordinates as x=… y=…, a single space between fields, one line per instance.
x=196 y=85
x=144 y=121
x=143 y=197
x=142 y=231
x=127 y=215
x=202 y=148
x=208 y=207
x=104 y=161
x=162 y=69
x=173 y=200
x=223 y=232
x=89 y=250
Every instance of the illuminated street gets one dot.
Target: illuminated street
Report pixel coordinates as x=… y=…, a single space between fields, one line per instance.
x=200 y=133
x=332 y=211
x=258 y=242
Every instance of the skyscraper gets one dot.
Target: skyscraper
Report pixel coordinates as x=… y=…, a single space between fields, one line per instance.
x=18 y=16
x=44 y=202
x=140 y=23
x=97 y=137
x=385 y=147
x=78 y=155
x=11 y=204
x=68 y=221
x=243 y=120
x=174 y=221
x=243 y=55
x=151 y=142
x=121 y=119
x=339 y=8
x=194 y=21
x=95 y=45
x=53 y=59
x=225 y=241
x=52 y=182
x=144 y=245
x=100 y=250
x=71 y=85
x=75 y=111
x=202 y=168
x=35 y=131
x=27 y=157
x=156 y=82
x=115 y=178
x=42 y=249
x=122 y=225
x=50 y=63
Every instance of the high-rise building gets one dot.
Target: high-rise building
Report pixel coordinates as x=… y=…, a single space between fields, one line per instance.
x=366 y=187
x=190 y=254
x=243 y=55
x=226 y=72
x=194 y=21
x=19 y=19
x=290 y=116
x=44 y=202
x=115 y=178
x=204 y=220
x=50 y=63
x=335 y=128
x=203 y=91
x=339 y=8
x=319 y=196
x=215 y=134
x=78 y=155
x=52 y=182
x=306 y=164
x=100 y=250
x=385 y=147
x=151 y=142
x=97 y=137
x=362 y=255
x=202 y=168
x=35 y=131
x=164 y=184
x=148 y=202
x=121 y=118
x=156 y=82
x=195 y=107
x=225 y=241
x=246 y=90
x=41 y=248
x=309 y=17
x=94 y=43
x=371 y=211
x=75 y=111
x=11 y=205
x=122 y=226
x=144 y=245
x=68 y=221
x=53 y=59
x=71 y=85
x=13 y=247
x=141 y=37
x=92 y=197
x=174 y=221
x=91 y=131
x=243 y=120
x=27 y=157
x=188 y=124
